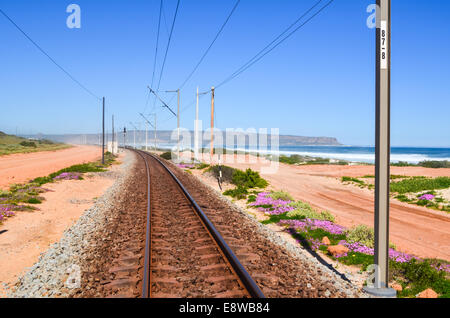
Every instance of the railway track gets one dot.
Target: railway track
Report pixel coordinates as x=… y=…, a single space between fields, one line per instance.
x=159 y=244
x=184 y=254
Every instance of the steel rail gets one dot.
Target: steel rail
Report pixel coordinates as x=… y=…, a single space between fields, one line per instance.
x=147 y=256
x=239 y=269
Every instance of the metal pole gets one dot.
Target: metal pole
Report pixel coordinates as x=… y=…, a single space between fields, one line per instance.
x=124 y=136
x=103 y=133
x=155 y=131
x=196 y=130
x=146 y=136
x=212 y=124
x=382 y=150
x=112 y=147
x=178 y=124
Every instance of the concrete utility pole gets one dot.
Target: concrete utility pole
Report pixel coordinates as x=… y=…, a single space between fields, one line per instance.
x=178 y=119
x=154 y=116
x=146 y=130
x=134 y=134
x=112 y=146
x=124 y=136
x=170 y=109
x=196 y=130
x=212 y=124
x=382 y=151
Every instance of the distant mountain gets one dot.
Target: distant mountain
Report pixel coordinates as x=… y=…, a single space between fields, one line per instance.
x=164 y=137
x=308 y=141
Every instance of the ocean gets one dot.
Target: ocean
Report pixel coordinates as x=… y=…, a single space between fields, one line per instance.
x=367 y=154
x=353 y=153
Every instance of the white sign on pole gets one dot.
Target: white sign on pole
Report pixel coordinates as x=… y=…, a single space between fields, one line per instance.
x=384 y=45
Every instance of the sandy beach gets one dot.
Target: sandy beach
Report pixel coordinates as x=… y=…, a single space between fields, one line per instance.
x=413 y=229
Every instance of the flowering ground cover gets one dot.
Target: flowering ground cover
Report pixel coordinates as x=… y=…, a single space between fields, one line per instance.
x=309 y=227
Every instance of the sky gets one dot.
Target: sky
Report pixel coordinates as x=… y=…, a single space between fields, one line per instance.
x=319 y=82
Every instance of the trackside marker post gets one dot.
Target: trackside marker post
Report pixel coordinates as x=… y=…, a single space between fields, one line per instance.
x=382 y=152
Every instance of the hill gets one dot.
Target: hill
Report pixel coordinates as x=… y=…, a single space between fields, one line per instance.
x=10 y=144
x=164 y=137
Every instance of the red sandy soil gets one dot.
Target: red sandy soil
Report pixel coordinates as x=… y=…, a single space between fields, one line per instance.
x=28 y=234
x=413 y=229
x=21 y=168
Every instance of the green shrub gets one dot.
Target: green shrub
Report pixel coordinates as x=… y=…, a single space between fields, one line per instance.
x=403 y=198
x=350 y=179
x=28 y=144
x=418 y=276
x=42 y=180
x=248 y=179
x=34 y=201
x=326 y=215
x=303 y=210
x=238 y=193
x=435 y=164
x=281 y=195
x=251 y=198
x=402 y=164
x=166 y=155
x=202 y=166
x=227 y=172
x=362 y=234
x=417 y=184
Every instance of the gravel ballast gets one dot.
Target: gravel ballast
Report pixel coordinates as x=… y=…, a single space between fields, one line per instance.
x=58 y=271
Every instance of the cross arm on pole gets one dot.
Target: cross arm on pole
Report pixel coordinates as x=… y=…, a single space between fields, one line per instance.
x=164 y=103
x=145 y=118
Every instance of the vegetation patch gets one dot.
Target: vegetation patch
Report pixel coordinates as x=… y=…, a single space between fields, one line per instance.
x=310 y=227
x=10 y=144
x=243 y=180
x=414 y=190
x=307 y=160
x=20 y=196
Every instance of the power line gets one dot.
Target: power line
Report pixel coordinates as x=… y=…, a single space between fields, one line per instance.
x=157 y=42
x=168 y=44
x=156 y=53
x=49 y=57
x=255 y=59
x=211 y=45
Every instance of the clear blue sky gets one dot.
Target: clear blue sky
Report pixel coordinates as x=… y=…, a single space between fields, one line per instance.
x=320 y=82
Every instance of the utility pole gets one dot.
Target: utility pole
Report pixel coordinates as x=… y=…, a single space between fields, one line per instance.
x=170 y=109
x=103 y=133
x=382 y=150
x=124 y=136
x=146 y=130
x=196 y=131
x=112 y=147
x=154 y=126
x=212 y=124
x=134 y=134
x=178 y=120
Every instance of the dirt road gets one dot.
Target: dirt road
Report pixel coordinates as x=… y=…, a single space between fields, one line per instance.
x=20 y=168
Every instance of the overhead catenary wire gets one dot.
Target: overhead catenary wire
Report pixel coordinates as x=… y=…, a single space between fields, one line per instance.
x=258 y=56
x=49 y=57
x=156 y=52
x=168 y=44
x=211 y=44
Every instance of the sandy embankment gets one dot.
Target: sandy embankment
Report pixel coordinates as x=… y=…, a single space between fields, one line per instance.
x=417 y=230
x=26 y=235
x=20 y=168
